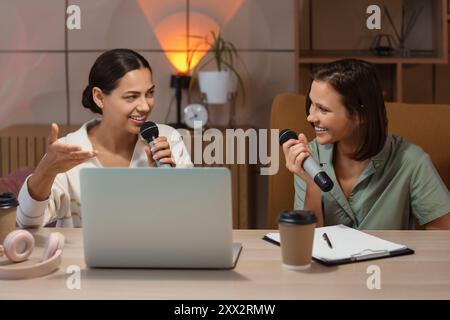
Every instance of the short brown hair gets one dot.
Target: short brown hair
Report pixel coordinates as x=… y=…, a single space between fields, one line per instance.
x=358 y=84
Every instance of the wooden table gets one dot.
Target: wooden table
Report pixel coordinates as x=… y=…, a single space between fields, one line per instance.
x=258 y=274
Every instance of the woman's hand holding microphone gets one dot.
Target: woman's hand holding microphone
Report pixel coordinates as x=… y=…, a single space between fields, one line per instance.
x=160 y=151
x=299 y=160
x=295 y=152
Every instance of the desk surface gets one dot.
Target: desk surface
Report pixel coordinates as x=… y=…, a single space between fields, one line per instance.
x=258 y=274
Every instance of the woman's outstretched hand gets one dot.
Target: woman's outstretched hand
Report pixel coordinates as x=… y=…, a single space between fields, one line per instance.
x=58 y=159
x=61 y=157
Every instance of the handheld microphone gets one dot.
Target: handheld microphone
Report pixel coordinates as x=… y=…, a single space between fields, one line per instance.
x=309 y=165
x=149 y=131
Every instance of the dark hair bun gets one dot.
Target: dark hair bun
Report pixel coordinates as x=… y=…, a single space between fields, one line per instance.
x=88 y=101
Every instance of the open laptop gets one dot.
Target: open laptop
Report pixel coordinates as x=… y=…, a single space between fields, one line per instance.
x=157 y=218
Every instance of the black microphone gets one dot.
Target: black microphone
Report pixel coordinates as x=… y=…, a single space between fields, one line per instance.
x=309 y=165
x=149 y=131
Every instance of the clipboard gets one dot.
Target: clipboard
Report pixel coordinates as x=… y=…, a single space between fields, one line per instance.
x=349 y=246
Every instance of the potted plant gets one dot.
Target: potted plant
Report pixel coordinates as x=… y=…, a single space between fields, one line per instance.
x=220 y=84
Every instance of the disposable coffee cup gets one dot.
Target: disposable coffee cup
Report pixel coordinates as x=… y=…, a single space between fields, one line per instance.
x=8 y=207
x=296 y=238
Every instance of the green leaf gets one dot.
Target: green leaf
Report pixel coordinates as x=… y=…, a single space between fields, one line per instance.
x=223 y=53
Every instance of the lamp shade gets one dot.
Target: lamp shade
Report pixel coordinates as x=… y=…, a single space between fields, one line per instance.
x=184 y=53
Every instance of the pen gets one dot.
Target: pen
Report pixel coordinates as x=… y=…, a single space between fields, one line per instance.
x=325 y=236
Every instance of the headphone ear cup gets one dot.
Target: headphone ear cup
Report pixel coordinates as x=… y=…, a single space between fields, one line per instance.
x=13 y=240
x=55 y=241
x=61 y=240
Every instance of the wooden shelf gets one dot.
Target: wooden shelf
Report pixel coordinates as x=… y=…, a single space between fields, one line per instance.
x=343 y=40
x=416 y=57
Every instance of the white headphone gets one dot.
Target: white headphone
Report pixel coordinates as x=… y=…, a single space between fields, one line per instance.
x=12 y=250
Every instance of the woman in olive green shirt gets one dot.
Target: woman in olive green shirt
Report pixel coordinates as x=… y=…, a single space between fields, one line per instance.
x=381 y=181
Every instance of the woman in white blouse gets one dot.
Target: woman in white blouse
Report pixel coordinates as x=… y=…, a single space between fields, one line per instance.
x=121 y=90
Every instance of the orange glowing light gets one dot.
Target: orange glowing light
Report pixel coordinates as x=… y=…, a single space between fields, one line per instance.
x=220 y=10
x=169 y=24
x=171 y=33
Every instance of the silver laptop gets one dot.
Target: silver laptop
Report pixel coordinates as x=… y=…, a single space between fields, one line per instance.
x=157 y=218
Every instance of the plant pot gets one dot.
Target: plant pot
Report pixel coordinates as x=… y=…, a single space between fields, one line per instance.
x=215 y=85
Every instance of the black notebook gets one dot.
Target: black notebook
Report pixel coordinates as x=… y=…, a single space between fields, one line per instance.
x=348 y=245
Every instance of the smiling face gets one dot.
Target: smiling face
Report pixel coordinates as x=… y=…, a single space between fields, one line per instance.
x=329 y=116
x=130 y=103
